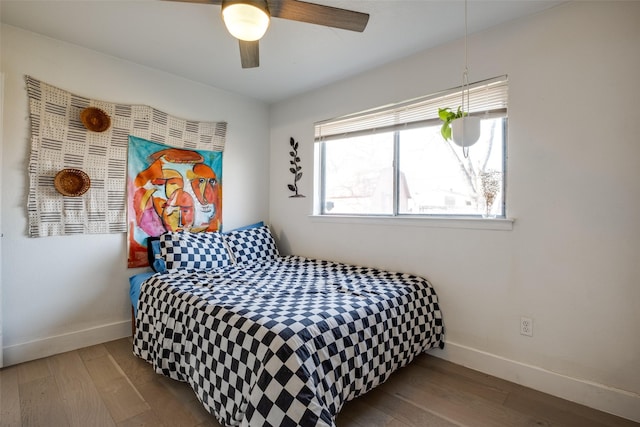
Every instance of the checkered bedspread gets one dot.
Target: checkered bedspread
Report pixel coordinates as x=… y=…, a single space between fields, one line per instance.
x=284 y=342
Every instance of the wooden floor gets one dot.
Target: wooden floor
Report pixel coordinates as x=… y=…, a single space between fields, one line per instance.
x=106 y=385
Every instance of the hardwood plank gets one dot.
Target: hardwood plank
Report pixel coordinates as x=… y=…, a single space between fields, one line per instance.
x=403 y=410
x=104 y=369
x=81 y=400
x=33 y=370
x=123 y=400
x=458 y=371
x=92 y=352
x=489 y=385
x=344 y=420
x=208 y=424
x=184 y=394
x=558 y=411
x=137 y=370
x=41 y=404
x=455 y=405
x=119 y=394
x=160 y=392
x=165 y=405
x=145 y=419
x=562 y=412
x=9 y=397
x=369 y=416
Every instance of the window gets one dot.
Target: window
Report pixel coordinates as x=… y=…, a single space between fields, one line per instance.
x=393 y=160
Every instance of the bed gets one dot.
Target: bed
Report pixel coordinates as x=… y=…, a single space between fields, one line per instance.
x=270 y=340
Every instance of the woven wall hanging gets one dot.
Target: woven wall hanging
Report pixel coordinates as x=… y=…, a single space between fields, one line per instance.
x=60 y=140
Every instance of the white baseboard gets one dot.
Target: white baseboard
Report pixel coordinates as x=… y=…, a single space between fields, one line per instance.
x=594 y=395
x=57 y=344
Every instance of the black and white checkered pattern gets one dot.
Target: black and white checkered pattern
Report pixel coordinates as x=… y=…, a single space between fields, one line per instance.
x=284 y=342
x=253 y=244
x=200 y=251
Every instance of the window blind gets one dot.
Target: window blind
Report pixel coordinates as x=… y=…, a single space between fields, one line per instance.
x=487 y=98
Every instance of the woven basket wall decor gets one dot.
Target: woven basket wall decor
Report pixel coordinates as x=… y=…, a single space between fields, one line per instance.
x=72 y=182
x=95 y=119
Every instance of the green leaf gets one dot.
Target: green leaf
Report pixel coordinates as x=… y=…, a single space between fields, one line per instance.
x=444 y=114
x=446 y=131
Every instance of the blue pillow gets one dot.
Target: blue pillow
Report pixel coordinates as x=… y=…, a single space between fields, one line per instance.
x=134 y=288
x=247 y=227
x=153 y=255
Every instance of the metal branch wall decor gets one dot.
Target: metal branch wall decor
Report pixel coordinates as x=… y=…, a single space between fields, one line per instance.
x=294 y=168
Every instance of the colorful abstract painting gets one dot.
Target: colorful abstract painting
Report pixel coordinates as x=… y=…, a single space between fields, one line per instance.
x=170 y=189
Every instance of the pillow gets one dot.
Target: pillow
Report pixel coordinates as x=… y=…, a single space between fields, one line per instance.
x=251 y=244
x=153 y=255
x=246 y=227
x=135 y=282
x=200 y=251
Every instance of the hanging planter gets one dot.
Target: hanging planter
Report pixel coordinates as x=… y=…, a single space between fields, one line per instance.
x=465 y=131
x=459 y=127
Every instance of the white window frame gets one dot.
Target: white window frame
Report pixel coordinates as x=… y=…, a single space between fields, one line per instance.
x=487 y=99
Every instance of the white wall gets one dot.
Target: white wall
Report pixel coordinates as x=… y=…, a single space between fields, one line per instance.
x=61 y=293
x=572 y=259
x=1 y=126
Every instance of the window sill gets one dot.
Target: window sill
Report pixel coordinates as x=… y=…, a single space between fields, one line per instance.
x=503 y=224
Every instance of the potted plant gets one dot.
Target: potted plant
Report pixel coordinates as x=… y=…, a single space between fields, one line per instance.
x=447 y=115
x=458 y=126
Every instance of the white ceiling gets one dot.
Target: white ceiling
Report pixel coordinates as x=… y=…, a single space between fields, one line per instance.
x=190 y=40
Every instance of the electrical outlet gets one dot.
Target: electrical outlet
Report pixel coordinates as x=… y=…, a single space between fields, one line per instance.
x=526 y=326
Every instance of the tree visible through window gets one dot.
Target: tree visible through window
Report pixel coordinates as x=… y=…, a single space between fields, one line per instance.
x=407 y=168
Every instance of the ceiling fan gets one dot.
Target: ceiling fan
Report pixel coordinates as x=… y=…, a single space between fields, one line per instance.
x=248 y=20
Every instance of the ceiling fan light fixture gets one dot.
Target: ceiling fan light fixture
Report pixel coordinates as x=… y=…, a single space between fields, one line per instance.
x=246 y=20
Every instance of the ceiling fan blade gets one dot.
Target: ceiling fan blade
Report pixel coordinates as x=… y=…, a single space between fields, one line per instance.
x=318 y=14
x=199 y=1
x=249 y=54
